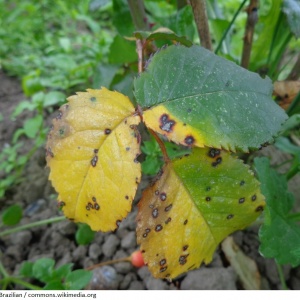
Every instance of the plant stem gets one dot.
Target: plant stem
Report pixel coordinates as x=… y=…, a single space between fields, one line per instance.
x=295 y=73
x=281 y=276
x=161 y=145
x=31 y=225
x=293 y=105
x=15 y=280
x=229 y=26
x=200 y=16
x=110 y=262
x=249 y=32
x=138 y=15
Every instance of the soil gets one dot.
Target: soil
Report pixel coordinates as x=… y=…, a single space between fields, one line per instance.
x=57 y=241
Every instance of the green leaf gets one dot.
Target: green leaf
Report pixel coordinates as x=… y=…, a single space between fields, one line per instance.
x=42 y=269
x=292 y=10
x=33 y=125
x=104 y=75
x=54 y=285
x=279 y=235
x=163 y=34
x=196 y=202
x=12 y=215
x=151 y=165
x=122 y=51
x=122 y=19
x=78 y=279
x=194 y=97
x=26 y=269
x=84 y=234
x=62 y=271
x=285 y=145
x=54 y=98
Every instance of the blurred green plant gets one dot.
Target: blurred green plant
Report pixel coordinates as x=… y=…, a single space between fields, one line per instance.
x=49 y=277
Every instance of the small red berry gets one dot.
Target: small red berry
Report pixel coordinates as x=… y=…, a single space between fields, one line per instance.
x=137 y=259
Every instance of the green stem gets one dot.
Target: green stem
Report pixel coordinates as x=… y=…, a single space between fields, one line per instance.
x=292 y=172
x=138 y=15
x=281 y=276
x=15 y=280
x=293 y=105
x=229 y=26
x=2 y=270
x=31 y=225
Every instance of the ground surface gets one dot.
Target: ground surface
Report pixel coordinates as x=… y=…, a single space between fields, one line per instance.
x=57 y=241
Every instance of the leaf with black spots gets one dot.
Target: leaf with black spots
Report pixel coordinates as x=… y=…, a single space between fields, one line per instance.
x=197 y=201
x=195 y=98
x=91 y=151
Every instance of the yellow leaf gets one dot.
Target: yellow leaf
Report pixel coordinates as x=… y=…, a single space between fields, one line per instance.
x=91 y=151
x=197 y=202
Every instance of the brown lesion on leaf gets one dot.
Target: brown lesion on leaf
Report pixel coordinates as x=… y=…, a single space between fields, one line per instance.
x=107 y=131
x=94 y=161
x=259 y=208
x=166 y=124
x=49 y=152
x=183 y=259
x=189 y=140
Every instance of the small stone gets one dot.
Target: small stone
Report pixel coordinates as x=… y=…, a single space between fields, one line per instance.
x=15 y=252
x=104 y=278
x=79 y=253
x=155 y=284
x=87 y=262
x=22 y=238
x=216 y=262
x=94 y=251
x=121 y=232
x=110 y=245
x=130 y=277
x=129 y=241
x=56 y=239
x=144 y=272
x=123 y=267
x=129 y=222
x=99 y=238
x=210 y=279
x=67 y=227
x=136 y=285
x=67 y=258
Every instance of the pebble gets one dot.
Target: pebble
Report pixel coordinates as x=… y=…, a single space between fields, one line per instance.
x=128 y=278
x=104 y=278
x=144 y=272
x=123 y=267
x=110 y=245
x=22 y=238
x=136 y=285
x=155 y=284
x=67 y=258
x=129 y=241
x=66 y=227
x=14 y=252
x=79 y=253
x=210 y=279
x=99 y=238
x=94 y=251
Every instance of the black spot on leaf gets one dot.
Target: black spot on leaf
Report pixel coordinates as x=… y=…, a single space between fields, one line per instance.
x=158 y=228
x=163 y=196
x=241 y=200
x=189 y=140
x=166 y=124
x=107 y=131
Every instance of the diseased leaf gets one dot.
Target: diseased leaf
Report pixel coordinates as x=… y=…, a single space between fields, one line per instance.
x=279 y=235
x=192 y=207
x=196 y=98
x=91 y=151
